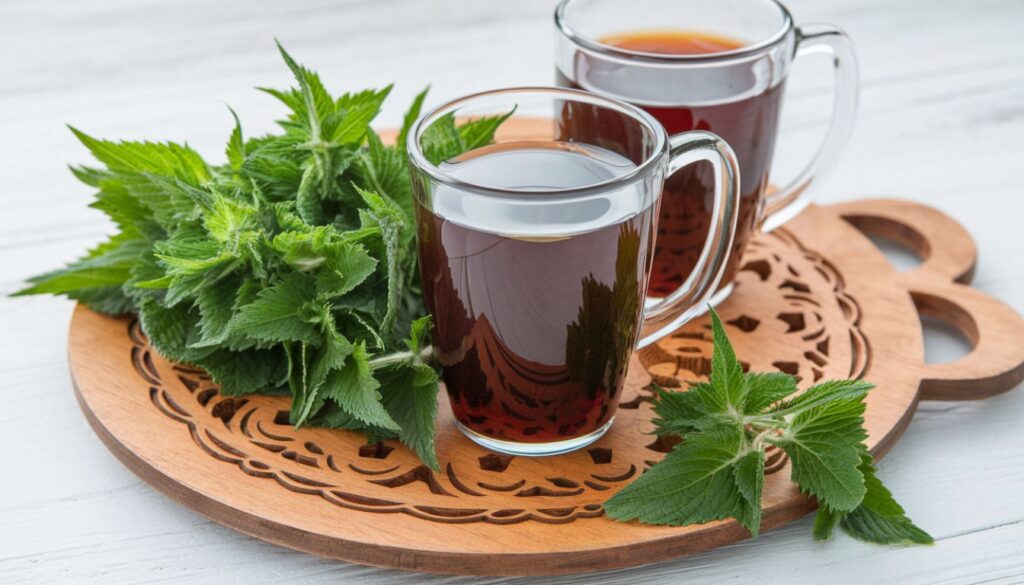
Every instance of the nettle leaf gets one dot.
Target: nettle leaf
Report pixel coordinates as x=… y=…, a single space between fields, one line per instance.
x=765 y=389
x=694 y=484
x=878 y=518
x=346 y=267
x=384 y=170
x=726 y=372
x=313 y=103
x=444 y=139
x=169 y=329
x=275 y=314
x=290 y=268
x=161 y=159
x=108 y=265
x=309 y=398
x=225 y=218
x=748 y=473
x=411 y=115
x=726 y=423
x=441 y=140
x=480 y=132
x=822 y=394
x=353 y=112
x=235 y=150
x=216 y=304
x=409 y=390
x=245 y=372
x=389 y=219
x=109 y=300
x=678 y=413
x=356 y=391
x=824 y=446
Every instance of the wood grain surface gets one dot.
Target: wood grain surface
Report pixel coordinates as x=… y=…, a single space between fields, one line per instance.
x=941 y=123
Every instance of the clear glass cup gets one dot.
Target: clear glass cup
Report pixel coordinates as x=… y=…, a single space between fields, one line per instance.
x=735 y=90
x=535 y=253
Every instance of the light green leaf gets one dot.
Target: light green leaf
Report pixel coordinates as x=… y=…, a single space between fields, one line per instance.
x=354 y=112
x=480 y=132
x=411 y=115
x=235 y=150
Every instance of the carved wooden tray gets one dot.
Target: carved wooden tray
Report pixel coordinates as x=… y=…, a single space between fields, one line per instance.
x=816 y=299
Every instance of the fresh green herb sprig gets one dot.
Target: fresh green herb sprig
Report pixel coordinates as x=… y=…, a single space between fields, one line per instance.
x=726 y=423
x=291 y=269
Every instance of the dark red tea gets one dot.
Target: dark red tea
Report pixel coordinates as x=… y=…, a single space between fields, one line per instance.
x=534 y=333
x=748 y=126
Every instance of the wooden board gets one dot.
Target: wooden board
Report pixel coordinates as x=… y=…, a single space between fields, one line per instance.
x=815 y=299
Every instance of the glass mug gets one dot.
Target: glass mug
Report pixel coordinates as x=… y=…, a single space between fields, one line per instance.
x=535 y=254
x=723 y=70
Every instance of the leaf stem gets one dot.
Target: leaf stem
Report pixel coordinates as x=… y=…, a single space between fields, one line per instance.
x=426 y=355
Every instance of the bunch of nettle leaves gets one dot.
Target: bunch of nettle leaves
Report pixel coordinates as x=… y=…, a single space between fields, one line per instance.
x=292 y=270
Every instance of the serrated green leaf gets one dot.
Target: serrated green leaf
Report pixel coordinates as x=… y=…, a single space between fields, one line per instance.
x=679 y=412
x=225 y=218
x=331 y=357
x=388 y=217
x=765 y=389
x=824 y=393
x=107 y=265
x=748 y=473
x=878 y=518
x=414 y=407
x=162 y=159
x=356 y=391
x=825 y=522
x=235 y=150
x=441 y=140
x=694 y=484
x=354 y=112
x=109 y=300
x=216 y=306
x=274 y=315
x=346 y=267
x=315 y=104
x=726 y=371
x=480 y=132
x=411 y=115
x=244 y=372
x=168 y=329
x=824 y=446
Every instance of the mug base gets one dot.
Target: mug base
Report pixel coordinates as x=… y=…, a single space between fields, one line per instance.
x=534 y=449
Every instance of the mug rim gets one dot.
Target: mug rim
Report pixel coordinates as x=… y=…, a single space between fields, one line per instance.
x=596 y=46
x=641 y=171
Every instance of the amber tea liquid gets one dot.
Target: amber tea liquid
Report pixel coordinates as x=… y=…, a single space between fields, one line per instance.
x=749 y=126
x=534 y=331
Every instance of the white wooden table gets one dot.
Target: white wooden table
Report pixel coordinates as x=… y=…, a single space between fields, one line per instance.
x=942 y=122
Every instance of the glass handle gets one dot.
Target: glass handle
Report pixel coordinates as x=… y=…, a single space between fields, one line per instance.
x=812 y=39
x=668 y=314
